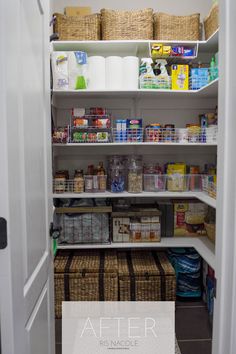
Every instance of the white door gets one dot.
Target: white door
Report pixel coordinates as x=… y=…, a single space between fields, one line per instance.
x=26 y=281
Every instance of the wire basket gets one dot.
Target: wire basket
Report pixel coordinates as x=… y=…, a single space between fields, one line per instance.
x=77 y=28
x=180 y=28
x=155 y=83
x=83 y=228
x=127 y=25
x=130 y=135
x=91 y=184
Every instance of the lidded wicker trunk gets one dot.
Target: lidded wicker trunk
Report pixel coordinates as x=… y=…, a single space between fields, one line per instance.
x=146 y=276
x=85 y=275
x=182 y=28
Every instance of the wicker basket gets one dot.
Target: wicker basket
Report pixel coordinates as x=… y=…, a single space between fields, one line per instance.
x=146 y=276
x=85 y=276
x=181 y=28
x=211 y=22
x=211 y=231
x=78 y=28
x=119 y=25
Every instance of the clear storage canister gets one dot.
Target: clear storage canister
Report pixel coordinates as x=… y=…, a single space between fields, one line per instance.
x=135 y=174
x=117 y=174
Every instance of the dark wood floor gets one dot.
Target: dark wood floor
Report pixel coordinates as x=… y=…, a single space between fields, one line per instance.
x=193 y=329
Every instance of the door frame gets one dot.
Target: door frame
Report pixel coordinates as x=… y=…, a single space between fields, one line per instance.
x=224 y=339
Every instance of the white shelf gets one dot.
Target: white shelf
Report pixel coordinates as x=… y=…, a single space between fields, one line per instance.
x=202 y=244
x=211 y=45
x=203 y=197
x=209 y=91
x=178 y=195
x=130 y=47
x=135 y=144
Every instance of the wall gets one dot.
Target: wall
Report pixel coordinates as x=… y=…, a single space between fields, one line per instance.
x=181 y=7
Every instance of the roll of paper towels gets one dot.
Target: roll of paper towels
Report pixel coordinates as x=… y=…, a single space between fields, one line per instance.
x=130 y=73
x=114 y=73
x=96 y=73
x=60 y=70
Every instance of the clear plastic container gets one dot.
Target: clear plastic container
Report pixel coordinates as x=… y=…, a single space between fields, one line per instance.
x=95 y=184
x=177 y=183
x=195 y=183
x=154 y=183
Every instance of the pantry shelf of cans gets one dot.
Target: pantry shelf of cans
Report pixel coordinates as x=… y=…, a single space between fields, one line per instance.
x=97 y=126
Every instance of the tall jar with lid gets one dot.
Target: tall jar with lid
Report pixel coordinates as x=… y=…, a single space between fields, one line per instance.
x=135 y=174
x=78 y=181
x=117 y=174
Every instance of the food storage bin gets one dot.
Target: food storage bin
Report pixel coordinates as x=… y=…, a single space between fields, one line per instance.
x=177 y=183
x=154 y=183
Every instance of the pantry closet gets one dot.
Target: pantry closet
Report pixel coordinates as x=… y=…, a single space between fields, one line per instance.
x=36 y=200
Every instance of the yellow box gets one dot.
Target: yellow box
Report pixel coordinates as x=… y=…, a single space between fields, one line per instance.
x=180 y=77
x=78 y=11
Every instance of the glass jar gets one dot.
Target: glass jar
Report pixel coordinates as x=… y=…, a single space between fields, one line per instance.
x=59 y=183
x=117 y=179
x=135 y=174
x=116 y=173
x=78 y=182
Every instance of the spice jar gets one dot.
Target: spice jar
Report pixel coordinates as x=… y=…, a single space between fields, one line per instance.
x=135 y=174
x=78 y=182
x=60 y=181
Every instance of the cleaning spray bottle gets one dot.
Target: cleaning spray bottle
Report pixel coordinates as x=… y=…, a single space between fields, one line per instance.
x=146 y=74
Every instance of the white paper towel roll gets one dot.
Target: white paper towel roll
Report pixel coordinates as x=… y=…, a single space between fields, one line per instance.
x=77 y=72
x=130 y=73
x=96 y=73
x=114 y=73
x=60 y=70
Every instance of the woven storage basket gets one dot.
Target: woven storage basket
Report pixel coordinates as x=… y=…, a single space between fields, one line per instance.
x=211 y=231
x=211 y=22
x=85 y=276
x=146 y=276
x=78 y=28
x=181 y=28
x=118 y=25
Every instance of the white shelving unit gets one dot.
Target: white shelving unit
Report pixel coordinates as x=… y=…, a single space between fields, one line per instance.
x=174 y=195
x=202 y=244
x=209 y=91
x=145 y=103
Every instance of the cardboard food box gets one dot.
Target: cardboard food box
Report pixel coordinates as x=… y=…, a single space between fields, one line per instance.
x=78 y=11
x=180 y=77
x=189 y=218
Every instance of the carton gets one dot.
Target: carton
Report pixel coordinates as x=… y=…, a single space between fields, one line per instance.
x=78 y=11
x=180 y=77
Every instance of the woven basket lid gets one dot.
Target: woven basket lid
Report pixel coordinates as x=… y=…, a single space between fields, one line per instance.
x=87 y=261
x=144 y=264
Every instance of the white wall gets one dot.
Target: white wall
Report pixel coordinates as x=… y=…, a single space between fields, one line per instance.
x=177 y=7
